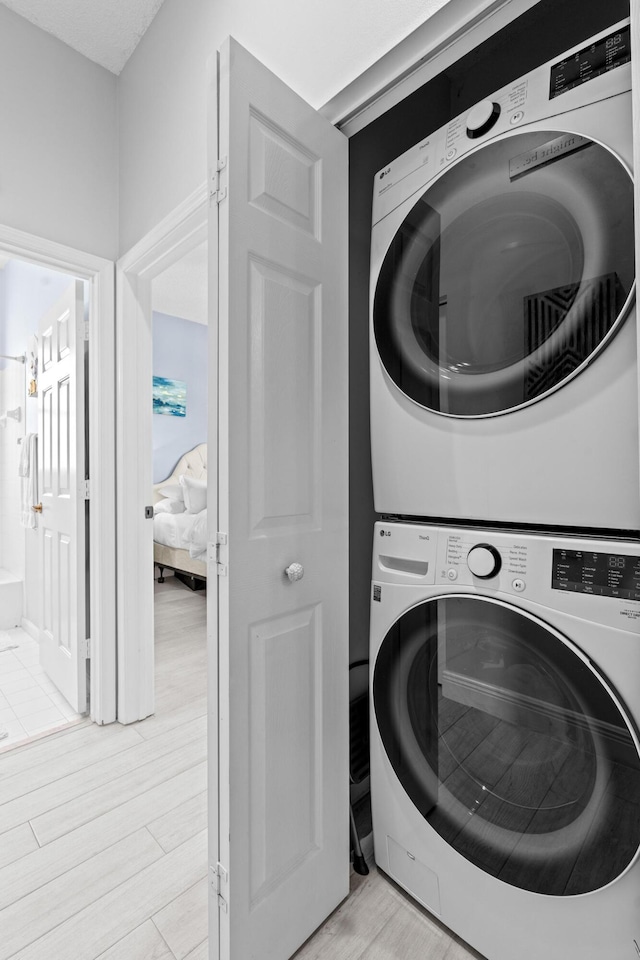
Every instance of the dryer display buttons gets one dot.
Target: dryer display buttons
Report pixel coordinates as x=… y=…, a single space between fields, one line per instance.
x=484 y=561
x=481 y=118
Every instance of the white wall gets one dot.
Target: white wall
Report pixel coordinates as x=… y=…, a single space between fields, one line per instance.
x=179 y=353
x=316 y=46
x=58 y=162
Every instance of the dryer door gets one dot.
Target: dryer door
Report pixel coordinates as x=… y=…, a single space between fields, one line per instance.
x=509 y=744
x=508 y=275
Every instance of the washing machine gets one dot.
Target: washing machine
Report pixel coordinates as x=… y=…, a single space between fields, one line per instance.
x=504 y=381
x=505 y=764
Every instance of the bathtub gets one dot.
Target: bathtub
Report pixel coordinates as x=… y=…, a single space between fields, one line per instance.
x=10 y=600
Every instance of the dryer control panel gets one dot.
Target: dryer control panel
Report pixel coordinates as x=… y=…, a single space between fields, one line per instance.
x=606 y=53
x=545 y=93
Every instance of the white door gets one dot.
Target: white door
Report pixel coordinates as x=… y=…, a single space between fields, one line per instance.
x=61 y=476
x=279 y=663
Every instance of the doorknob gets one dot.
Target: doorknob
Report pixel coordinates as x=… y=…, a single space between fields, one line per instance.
x=295 y=571
x=37 y=508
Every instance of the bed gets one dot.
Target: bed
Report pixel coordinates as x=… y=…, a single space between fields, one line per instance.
x=171 y=550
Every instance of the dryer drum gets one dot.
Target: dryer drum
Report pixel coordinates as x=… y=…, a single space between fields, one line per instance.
x=509 y=744
x=498 y=289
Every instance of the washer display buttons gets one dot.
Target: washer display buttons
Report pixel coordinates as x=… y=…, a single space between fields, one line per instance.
x=452 y=574
x=518 y=585
x=516 y=117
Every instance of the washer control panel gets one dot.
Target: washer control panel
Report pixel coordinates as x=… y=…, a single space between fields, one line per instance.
x=596 y=573
x=594 y=579
x=484 y=561
x=472 y=558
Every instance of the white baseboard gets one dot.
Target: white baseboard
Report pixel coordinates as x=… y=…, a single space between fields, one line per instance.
x=30 y=628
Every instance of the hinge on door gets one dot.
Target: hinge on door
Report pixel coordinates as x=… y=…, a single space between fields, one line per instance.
x=214 y=553
x=219 y=875
x=85 y=648
x=216 y=193
x=85 y=490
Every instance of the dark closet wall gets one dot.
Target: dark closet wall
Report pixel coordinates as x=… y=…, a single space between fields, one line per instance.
x=544 y=32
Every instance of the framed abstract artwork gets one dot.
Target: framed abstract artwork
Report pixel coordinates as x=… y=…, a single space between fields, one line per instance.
x=169 y=397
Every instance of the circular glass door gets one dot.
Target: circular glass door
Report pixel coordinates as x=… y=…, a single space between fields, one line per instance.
x=508 y=275
x=509 y=744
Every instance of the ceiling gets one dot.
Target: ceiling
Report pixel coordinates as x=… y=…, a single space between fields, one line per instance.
x=105 y=31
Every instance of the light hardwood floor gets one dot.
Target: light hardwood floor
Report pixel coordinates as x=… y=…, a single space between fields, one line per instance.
x=103 y=836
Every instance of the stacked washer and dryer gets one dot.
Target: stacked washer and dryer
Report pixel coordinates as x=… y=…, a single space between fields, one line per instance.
x=505 y=609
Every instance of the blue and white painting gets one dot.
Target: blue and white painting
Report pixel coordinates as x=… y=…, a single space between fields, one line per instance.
x=169 y=397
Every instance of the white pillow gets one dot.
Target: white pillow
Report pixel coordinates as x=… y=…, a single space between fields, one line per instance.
x=173 y=491
x=169 y=506
x=195 y=494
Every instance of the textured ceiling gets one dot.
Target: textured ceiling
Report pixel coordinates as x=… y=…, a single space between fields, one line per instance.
x=105 y=31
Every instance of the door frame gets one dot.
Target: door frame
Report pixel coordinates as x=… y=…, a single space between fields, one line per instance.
x=185 y=228
x=99 y=274
x=446 y=36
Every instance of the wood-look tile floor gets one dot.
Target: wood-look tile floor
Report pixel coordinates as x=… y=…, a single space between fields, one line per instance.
x=30 y=705
x=103 y=852
x=103 y=849
x=378 y=921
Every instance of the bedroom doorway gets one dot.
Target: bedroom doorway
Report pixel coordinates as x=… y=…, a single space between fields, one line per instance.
x=164 y=273
x=179 y=333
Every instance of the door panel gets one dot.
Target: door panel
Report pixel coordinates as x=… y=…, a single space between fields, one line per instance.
x=286 y=718
x=279 y=680
x=285 y=402
x=61 y=474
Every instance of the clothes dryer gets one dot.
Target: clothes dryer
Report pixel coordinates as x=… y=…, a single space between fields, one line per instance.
x=504 y=381
x=505 y=763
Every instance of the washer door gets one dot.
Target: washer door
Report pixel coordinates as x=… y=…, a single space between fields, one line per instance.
x=509 y=744
x=509 y=274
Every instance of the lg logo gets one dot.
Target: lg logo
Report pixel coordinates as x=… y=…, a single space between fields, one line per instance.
x=385 y=533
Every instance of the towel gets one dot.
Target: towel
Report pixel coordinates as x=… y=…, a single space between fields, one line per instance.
x=29 y=483
x=25 y=453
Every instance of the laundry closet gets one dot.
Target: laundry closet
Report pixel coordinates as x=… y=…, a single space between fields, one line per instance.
x=493 y=293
